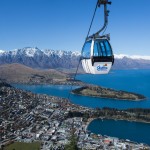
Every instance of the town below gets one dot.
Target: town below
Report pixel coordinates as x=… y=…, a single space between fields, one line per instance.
x=27 y=117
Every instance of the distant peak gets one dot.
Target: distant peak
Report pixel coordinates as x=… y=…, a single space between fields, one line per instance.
x=121 y=56
x=2 y=51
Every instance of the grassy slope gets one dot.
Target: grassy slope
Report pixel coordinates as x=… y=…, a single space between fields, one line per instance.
x=23 y=146
x=17 y=72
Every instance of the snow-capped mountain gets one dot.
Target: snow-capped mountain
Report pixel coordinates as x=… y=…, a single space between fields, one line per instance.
x=123 y=61
x=1 y=51
x=44 y=59
x=37 y=58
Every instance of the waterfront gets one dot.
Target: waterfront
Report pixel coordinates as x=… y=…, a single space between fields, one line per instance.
x=135 y=131
x=129 y=80
x=28 y=117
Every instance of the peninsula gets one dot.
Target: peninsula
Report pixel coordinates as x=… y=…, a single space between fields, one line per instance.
x=101 y=92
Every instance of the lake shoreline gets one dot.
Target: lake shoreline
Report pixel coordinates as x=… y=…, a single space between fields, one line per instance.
x=115 y=119
x=81 y=85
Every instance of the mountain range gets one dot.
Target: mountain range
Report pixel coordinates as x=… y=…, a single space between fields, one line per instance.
x=53 y=59
x=37 y=58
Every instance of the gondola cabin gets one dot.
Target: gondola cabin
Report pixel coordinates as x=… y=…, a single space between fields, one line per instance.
x=97 y=56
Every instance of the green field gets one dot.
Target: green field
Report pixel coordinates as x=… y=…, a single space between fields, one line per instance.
x=23 y=146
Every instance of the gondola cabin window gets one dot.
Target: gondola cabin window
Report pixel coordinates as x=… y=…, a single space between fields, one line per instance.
x=102 y=48
x=86 y=52
x=108 y=48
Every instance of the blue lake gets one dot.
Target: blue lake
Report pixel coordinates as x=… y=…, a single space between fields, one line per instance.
x=137 y=81
x=134 y=131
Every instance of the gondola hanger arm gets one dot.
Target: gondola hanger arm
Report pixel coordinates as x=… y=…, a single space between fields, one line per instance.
x=106 y=14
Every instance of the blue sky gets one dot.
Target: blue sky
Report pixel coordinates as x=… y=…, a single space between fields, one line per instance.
x=63 y=24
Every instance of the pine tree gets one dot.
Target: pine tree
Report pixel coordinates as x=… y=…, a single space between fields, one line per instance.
x=72 y=145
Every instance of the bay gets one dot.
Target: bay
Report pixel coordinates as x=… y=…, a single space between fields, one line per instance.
x=134 y=131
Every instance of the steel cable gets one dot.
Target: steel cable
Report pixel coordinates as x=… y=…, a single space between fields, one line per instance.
x=82 y=48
